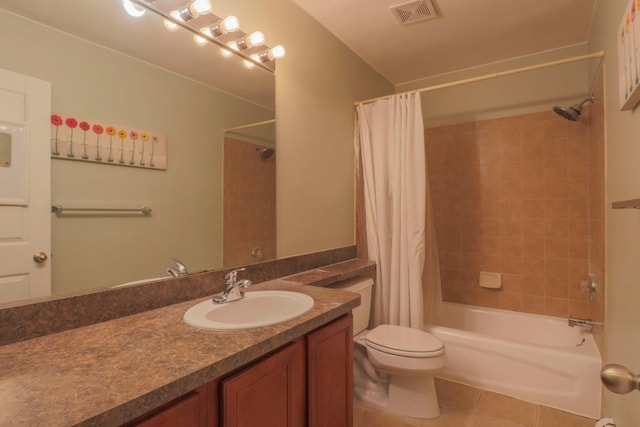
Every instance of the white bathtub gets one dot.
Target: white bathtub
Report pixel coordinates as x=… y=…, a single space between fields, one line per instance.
x=535 y=358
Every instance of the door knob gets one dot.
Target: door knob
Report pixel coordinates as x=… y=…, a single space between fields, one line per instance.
x=619 y=379
x=40 y=257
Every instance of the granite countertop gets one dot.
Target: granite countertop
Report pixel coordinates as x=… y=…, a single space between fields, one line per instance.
x=111 y=372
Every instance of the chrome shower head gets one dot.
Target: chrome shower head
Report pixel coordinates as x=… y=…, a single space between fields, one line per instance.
x=265 y=153
x=568 y=113
x=572 y=113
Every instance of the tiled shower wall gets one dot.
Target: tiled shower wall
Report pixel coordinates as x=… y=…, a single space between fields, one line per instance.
x=511 y=196
x=249 y=204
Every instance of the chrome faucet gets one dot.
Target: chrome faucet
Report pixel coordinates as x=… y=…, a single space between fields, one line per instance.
x=233 y=287
x=583 y=323
x=179 y=270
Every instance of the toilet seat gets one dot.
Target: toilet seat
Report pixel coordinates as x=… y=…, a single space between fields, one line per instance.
x=404 y=341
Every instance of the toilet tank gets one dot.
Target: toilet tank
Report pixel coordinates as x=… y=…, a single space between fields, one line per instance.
x=364 y=287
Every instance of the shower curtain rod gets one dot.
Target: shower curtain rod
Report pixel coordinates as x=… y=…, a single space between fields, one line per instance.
x=598 y=54
x=250 y=125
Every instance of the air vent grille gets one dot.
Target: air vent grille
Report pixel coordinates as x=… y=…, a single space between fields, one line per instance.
x=414 y=11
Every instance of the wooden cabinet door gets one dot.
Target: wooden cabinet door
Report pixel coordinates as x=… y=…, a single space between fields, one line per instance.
x=189 y=410
x=269 y=393
x=330 y=370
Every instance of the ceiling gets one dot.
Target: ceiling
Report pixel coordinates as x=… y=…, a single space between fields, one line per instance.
x=105 y=22
x=464 y=34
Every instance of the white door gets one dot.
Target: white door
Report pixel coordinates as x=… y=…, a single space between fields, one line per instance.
x=25 y=195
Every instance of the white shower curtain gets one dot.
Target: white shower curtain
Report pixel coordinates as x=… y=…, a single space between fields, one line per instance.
x=390 y=142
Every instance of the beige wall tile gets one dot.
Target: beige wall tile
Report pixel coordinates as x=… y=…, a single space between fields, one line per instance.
x=532 y=169
x=533 y=208
x=533 y=286
x=556 y=187
x=533 y=267
x=520 y=206
x=556 y=248
x=533 y=304
x=556 y=287
x=558 y=307
x=556 y=267
x=533 y=247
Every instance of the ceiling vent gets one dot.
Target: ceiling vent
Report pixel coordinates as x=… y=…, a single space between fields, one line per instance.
x=414 y=11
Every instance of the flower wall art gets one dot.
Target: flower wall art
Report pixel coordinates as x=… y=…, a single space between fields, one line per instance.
x=100 y=142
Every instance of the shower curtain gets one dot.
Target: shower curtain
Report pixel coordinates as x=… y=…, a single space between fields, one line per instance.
x=399 y=224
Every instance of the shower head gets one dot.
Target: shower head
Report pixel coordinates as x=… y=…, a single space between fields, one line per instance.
x=572 y=113
x=265 y=153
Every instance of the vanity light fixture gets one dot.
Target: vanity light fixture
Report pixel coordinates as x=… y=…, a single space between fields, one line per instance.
x=276 y=52
x=250 y=64
x=201 y=41
x=230 y=24
x=247 y=46
x=172 y=26
x=226 y=53
x=224 y=26
x=195 y=8
x=272 y=54
x=247 y=42
x=254 y=39
x=190 y=11
x=133 y=9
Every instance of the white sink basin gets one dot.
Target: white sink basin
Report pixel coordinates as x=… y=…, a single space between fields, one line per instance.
x=257 y=308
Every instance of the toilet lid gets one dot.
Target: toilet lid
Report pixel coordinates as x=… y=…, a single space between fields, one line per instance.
x=404 y=341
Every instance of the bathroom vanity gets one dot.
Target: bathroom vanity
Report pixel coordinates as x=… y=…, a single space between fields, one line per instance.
x=308 y=379
x=152 y=369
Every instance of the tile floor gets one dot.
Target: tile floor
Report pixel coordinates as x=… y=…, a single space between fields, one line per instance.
x=464 y=406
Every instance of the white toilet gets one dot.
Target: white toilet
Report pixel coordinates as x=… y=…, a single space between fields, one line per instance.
x=394 y=366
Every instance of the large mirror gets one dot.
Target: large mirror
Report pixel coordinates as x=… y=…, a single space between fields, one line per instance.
x=105 y=65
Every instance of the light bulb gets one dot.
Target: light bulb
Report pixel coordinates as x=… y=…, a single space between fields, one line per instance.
x=254 y=39
x=200 y=7
x=250 y=64
x=133 y=9
x=172 y=26
x=277 y=52
x=201 y=41
x=230 y=24
x=227 y=52
x=224 y=26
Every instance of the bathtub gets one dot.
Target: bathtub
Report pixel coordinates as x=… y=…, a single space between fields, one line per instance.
x=535 y=358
